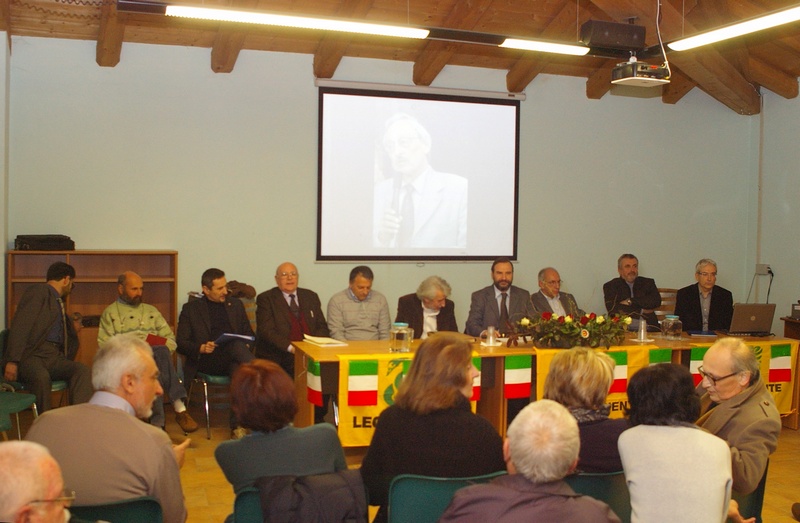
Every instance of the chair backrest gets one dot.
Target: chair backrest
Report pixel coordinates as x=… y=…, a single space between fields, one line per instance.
x=668 y=300
x=3 y=342
x=423 y=499
x=750 y=505
x=247 y=506
x=610 y=488
x=135 y=510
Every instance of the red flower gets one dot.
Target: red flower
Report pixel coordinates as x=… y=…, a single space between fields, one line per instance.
x=592 y=316
x=615 y=319
x=561 y=319
x=585 y=319
x=547 y=315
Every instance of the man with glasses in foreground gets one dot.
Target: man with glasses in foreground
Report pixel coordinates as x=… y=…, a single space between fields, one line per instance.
x=704 y=306
x=33 y=489
x=551 y=299
x=737 y=407
x=105 y=452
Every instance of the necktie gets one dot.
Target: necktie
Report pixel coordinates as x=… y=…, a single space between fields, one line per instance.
x=407 y=215
x=503 y=312
x=293 y=306
x=63 y=324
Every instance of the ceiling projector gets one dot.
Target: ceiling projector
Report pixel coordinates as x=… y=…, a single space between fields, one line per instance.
x=639 y=74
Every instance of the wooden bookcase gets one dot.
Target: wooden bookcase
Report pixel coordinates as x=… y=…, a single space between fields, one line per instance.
x=96 y=283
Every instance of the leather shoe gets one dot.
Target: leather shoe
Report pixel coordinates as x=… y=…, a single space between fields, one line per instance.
x=796 y=511
x=238 y=433
x=185 y=422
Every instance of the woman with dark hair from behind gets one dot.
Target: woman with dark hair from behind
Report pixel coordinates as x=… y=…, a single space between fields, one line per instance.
x=263 y=399
x=430 y=429
x=675 y=471
x=580 y=379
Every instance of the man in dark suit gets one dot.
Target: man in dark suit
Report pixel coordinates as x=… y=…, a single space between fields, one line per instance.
x=204 y=320
x=705 y=305
x=428 y=310
x=498 y=304
x=284 y=314
x=43 y=342
x=632 y=294
x=551 y=299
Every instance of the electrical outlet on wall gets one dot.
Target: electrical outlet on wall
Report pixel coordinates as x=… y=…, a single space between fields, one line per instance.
x=762 y=268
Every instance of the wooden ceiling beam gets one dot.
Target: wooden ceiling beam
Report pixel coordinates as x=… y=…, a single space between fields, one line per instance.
x=774 y=80
x=679 y=86
x=465 y=16
x=110 y=36
x=599 y=82
x=531 y=64
x=5 y=19
x=229 y=40
x=332 y=47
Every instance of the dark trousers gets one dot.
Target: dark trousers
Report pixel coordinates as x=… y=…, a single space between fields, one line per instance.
x=235 y=353
x=48 y=364
x=168 y=378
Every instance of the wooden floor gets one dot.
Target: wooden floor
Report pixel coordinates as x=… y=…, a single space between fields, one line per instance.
x=209 y=497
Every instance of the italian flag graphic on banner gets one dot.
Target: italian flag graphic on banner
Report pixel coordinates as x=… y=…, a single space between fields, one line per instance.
x=620 y=383
x=362 y=383
x=696 y=361
x=517 y=377
x=660 y=356
x=780 y=363
x=314 y=383
x=476 y=383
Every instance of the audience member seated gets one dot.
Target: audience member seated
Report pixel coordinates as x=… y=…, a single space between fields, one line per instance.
x=284 y=314
x=499 y=303
x=128 y=314
x=359 y=312
x=42 y=343
x=551 y=299
x=202 y=322
x=430 y=429
x=631 y=294
x=580 y=379
x=737 y=407
x=428 y=310
x=704 y=306
x=105 y=452
x=674 y=470
x=263 y=398
x=541 y=448
x=33 y=489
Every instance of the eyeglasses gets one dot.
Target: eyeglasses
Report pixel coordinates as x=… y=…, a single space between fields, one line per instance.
x=706 y=274
x=66 y=497
x=711 y=378
x=287 y=274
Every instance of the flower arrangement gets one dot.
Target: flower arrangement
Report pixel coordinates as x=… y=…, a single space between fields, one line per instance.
x=590 y=330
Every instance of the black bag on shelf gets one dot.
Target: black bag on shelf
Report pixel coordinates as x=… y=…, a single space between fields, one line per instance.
x=44 y=242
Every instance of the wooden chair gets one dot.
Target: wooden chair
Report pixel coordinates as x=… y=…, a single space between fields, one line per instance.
x=610 y=488
x=668 y=299
x=135 y=510
x=423 y=499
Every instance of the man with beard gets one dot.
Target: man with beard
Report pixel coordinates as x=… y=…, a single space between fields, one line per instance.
x=499 y=303
x=129 y=315
x=631 y=294
x=106 y=454
x=43 y=343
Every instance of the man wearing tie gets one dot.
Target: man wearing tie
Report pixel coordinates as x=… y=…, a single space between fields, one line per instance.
x=43 y=342
x=498 y=304
x=284 y=314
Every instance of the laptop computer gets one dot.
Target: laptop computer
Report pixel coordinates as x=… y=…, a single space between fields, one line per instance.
x=752 y=319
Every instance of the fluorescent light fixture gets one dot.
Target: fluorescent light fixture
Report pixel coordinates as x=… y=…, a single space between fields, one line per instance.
x=545 y=47
x=739 y=29
x=251 y=17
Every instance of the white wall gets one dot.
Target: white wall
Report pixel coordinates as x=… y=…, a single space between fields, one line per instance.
x=161 y=153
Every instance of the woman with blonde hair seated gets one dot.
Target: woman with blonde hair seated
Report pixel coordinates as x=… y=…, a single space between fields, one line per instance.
x=580 y=379
x=430 y=429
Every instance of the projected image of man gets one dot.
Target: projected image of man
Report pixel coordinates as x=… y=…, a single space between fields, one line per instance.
x=417 y=206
